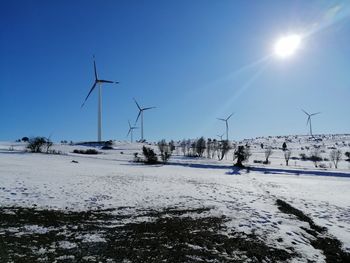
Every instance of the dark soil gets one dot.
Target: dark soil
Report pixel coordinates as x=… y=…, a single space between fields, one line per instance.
x=170 y=235
x=331 y=247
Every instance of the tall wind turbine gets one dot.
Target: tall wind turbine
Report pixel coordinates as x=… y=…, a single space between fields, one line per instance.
x=131 y=129
x=98 y=82
x=226 y=121
x=141 y=110
x=309 y=119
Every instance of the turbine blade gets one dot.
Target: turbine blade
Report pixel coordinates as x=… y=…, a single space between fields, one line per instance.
x=221 y=119
x=308 y=120
x=313 y=114
x=129 y=124
x=93 y=87
x=128 y=132
x=95 y=69
x=138 y=116
x=148 y=108
x=305 y=112
x=107 y=81
x=230 y=116
x=138 y=106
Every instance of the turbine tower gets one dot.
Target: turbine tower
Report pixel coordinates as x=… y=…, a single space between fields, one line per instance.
x=226 y=121
x=309 y=119
x=131 y=129
x=141 y=110
x=98 y=82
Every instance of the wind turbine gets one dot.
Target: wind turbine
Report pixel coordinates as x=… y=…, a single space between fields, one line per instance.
x=220 y=136
x=226 y=121
x=98 y=82
x=309 y=119
x=141 y=110
x=131 y=129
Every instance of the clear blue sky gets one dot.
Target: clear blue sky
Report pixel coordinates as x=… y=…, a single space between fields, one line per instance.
x=195 y=60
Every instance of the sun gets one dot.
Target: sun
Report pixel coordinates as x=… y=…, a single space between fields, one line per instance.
x=286 y=46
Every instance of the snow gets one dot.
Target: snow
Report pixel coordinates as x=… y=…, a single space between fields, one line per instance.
x=247 y=199
x=88 y=238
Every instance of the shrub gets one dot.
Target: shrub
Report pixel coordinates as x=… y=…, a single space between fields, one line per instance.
x=150 y=155
x=322 y=165
x=242 y=155
x=303 y=156
x=315 y=156
x=347 y=154
x=36 y=144
x=137 y=158
x=87 y=151
x=25 y=139
x=106 y=147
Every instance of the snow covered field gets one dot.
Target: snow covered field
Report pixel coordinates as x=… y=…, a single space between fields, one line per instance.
x=245 y=198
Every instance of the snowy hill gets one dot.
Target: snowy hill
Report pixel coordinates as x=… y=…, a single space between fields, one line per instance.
x=245 y=198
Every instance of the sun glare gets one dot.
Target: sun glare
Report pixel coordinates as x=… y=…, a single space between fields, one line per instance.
x=286 y=46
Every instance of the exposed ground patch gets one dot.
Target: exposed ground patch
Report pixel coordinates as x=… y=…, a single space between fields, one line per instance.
x=30 y=235
x=330 y=246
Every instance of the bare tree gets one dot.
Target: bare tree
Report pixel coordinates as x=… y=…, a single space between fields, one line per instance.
x=183 y=146
x=242 y=154
x=224 y=148
x=335 y=156
x=209 y=147
x=315 y=156
x=36 y=144
x=287 y=154
x=48 y=144
x=162 y=145
x=200 y=145
x=215 y=147
x=268 y=151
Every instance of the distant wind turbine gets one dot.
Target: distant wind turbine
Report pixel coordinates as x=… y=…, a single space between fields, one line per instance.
x=131 y=129
x=226 y=121
x=220 y=136
x=309 y=119
x=141 y=110
x=98 y=82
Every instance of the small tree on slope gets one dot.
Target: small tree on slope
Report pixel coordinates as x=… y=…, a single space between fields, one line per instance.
x=287 y=154
x=150 y=155
x=268 y=151
x=335 y=156
x=242 y=155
